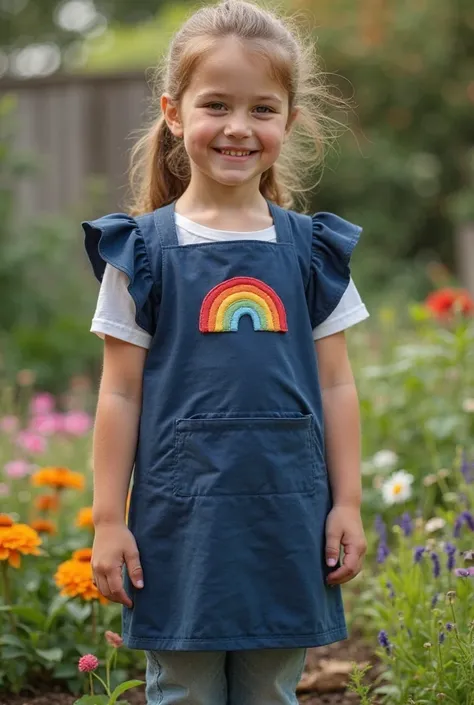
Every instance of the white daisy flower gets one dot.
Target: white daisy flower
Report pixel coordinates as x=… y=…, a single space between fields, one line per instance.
x=397 y=488
x=385 y=459
x=468 y=406
x=434 y=524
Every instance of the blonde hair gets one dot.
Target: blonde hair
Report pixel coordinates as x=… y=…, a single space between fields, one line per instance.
x=160 y=170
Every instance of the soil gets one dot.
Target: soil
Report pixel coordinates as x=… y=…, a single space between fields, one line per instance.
x=323 y=682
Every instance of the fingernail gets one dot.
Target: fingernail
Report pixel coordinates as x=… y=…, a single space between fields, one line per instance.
x=332 y=562
x=140 y=583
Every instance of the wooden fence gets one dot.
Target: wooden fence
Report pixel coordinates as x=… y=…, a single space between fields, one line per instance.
x=77 y=127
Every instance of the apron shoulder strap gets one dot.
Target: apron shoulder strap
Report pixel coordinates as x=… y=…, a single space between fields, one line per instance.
x=297 y=229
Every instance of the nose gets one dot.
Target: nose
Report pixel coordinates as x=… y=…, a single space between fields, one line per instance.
x=237 y=126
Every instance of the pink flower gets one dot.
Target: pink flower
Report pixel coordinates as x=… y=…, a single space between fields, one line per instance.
x=88 y=663
x=464 y=572
x=77 y=423
x=17 y=468
x=3 y=489
x=31 y=442
x=113 y=639
x=43 y=403
x=9 y=424
x=46 y=424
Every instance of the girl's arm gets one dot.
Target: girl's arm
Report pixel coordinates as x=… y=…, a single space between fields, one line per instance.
x=114 y=446
x=342 y=439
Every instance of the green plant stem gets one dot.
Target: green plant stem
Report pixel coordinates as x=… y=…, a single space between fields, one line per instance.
x=107 y=690
x=440 y=667
x=91 y=683
x=456 y=634
x=107 y=669
x=6 y=589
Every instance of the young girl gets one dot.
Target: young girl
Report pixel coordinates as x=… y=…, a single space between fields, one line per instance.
x=226 y=383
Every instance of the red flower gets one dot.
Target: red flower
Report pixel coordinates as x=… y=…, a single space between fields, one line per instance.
x=88 y=663
x=113 y=639
x=443 y=303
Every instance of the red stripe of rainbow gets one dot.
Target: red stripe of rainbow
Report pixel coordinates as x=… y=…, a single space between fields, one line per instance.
x=213 y=301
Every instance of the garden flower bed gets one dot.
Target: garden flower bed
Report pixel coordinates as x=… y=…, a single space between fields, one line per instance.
x=413 y=604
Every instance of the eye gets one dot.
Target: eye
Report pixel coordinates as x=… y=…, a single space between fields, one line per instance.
x=263 y=109
x=215 y=106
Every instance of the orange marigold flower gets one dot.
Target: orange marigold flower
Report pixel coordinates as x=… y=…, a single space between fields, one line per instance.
x=17 y=539
x=60 y=478
x=84 y=518
x=44 y=526
x=74 y=577
x=47 y=502
x=443 y=303
x=82 y=554
x=5 y=520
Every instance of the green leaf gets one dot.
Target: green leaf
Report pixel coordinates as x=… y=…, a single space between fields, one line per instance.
x=80 y=614
x=10 y=640
x=122 y=688
x=56 y=606
x=30 y=614
x=93 y=700
x=65 y=670
x=13 y=652
x=54 y=654
x=388 y=690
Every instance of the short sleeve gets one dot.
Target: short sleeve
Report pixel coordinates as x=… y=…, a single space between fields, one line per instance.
x=333 y=241
x=115 y=311
x=116 y=239
x=349 y=311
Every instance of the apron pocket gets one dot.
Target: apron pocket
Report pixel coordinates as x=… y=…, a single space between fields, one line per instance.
x=219 y=455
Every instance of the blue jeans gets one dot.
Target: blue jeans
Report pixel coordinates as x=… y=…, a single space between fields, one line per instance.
x=256 y=677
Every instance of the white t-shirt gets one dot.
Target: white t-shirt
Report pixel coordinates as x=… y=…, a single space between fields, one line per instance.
x=115 y=311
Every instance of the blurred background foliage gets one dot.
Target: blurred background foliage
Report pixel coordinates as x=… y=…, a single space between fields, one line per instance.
x=404 y=169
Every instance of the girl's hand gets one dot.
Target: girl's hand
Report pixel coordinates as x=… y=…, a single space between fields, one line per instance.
x=114 y=545
x=344 y=528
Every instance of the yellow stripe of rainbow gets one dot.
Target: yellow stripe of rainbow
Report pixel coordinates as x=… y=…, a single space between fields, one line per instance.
x=227 y=302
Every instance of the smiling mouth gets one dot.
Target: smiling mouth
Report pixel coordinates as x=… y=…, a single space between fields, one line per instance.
x=235 y=152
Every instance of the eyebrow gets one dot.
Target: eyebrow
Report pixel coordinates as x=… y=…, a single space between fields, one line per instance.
x=260 y=98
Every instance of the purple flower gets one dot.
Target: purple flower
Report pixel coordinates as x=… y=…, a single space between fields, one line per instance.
x=406 y=524
x=449 y=627
x=441 y=637
x=436 y=564
x=434 y=601
x=469 y=520
x=380 y=528
x=383 y=552
x=467 y=469
x=384 y=641
x=464 y=518
x=462 y=572
x=391 y=590
x=450 y=549
x=418 y=554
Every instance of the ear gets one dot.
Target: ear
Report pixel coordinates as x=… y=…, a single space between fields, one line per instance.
x=170 y=112
x=292 y=117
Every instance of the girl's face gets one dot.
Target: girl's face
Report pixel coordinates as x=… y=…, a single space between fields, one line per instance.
x=233 y=117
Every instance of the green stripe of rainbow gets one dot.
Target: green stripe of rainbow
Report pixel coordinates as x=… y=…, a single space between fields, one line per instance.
x=227 y=302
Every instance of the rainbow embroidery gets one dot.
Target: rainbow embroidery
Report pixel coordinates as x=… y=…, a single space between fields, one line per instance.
x=226 y=303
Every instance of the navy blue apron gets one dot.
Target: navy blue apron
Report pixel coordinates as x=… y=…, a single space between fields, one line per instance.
x=231 y=490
